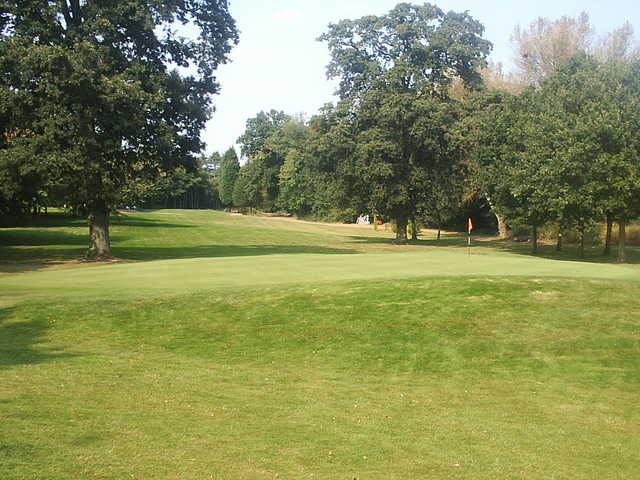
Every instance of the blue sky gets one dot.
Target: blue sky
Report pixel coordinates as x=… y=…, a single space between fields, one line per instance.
x=279 y=64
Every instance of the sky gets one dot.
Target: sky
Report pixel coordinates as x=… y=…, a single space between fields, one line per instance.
x=278 y=63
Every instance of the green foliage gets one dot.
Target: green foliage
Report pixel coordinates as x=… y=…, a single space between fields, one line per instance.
x=259 y=129
x=267 y=139
x=413 y=48
x=442 y=197
x=247 y=190
x=178 y=188
x=213 y=162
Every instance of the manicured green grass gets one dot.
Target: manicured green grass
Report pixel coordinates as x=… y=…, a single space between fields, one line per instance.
x=423 y=378
x=360 y=361
x=181 y=234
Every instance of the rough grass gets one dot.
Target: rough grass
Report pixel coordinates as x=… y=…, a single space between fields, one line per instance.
x=387 y=364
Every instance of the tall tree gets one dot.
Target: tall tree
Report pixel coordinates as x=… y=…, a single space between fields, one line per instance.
x=212 y=162
x=596 y=105
x=294 y=183
x=395 y=71
x=331 y=169
x=480 y=136
x=227 y=176
x=618 y=44
x=97 y=85
x=258 y=129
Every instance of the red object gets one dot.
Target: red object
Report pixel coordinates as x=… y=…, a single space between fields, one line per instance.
x=470 y=225
x=379 y=222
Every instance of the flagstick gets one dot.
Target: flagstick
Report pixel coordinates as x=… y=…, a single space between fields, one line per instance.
x=469 y=228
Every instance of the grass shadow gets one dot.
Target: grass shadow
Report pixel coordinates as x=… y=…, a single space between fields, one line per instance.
x=569 y=253
x=32 y=238
x=593 y=253
x=54 y=219
x=21 y=342
x=209 y=251
x=63 y=220
x=138 y=221
x=446 y=240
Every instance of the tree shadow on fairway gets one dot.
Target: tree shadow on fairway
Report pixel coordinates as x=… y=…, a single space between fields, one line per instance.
x=58 y=239
x=21 y=341
x=215 y=251
x=33 y=237
x=124 y=221
x=53 y=219
x=593 y=253
x=446 y=240
x=569 y=253
x=39 y=238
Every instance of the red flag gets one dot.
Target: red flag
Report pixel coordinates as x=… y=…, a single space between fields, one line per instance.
x=470 y=225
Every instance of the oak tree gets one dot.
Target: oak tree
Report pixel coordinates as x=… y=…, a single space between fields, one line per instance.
x=395 y=71
x=110 y=90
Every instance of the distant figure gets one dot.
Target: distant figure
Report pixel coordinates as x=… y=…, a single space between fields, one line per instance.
x=363 y=220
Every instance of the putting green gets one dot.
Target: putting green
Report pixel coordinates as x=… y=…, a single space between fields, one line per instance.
x=197 y=274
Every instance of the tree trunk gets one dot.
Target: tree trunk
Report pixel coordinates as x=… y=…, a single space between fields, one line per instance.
x=534 y=240
x=622 y=239
x=581 y=246
x=607 y=237
x=100 y=245
x=438 y=237
x=401 y=231
x=414 y=229
x=503 y=230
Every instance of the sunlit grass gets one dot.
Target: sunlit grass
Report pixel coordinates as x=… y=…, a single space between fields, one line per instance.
x=428 y=378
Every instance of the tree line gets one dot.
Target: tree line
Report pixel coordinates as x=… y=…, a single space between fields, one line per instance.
x=424 y=125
